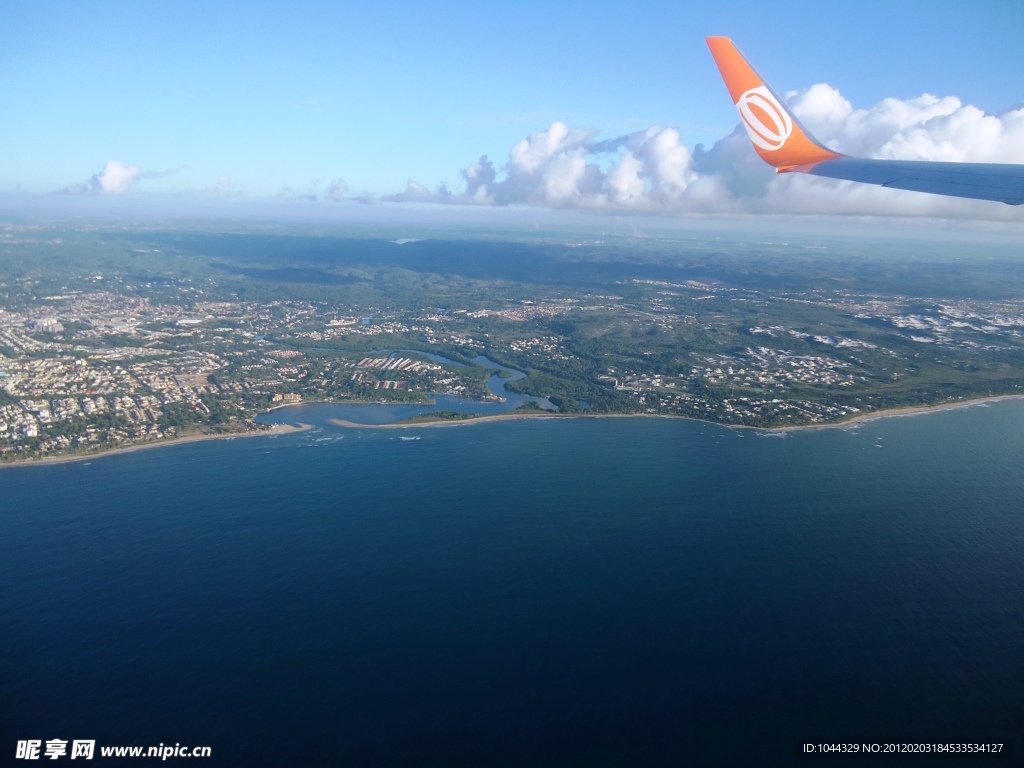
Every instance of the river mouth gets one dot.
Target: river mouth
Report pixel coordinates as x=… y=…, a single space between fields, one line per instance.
x=372 y=414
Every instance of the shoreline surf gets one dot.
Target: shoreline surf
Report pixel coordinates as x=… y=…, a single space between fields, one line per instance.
x=287 y=428
x=883 y=414
x=276 y=429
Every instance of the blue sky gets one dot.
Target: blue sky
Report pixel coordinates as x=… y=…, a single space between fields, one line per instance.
x=266 y=100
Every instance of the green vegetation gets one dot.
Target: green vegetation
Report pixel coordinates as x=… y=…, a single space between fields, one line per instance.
x=530 y=407
x=168 y=331
x=443 y=415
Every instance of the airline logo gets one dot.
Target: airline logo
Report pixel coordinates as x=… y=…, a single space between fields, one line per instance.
x=767 y=122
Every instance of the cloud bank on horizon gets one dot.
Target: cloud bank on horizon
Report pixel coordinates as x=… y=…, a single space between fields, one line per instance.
x=654 y=171
x=115 y=178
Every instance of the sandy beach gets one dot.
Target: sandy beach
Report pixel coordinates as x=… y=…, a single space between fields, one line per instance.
x=831 y=425
x=908 y=411
x=472 y=420
x=282 y=429
x=277 y=429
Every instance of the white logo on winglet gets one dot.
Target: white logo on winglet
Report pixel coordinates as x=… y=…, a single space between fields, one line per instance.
x=769 y=136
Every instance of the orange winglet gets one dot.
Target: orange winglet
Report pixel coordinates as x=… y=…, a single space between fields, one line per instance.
x=777 y=136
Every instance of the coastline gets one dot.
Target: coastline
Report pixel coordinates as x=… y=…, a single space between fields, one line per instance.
x=284 y=428
x=276 y=429
x=472 y=420
x=885 y=414
x=909 y=410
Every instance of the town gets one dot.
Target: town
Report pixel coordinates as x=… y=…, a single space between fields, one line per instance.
x=104 y=355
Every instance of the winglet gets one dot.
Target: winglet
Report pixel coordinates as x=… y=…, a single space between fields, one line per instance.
x=776 y=134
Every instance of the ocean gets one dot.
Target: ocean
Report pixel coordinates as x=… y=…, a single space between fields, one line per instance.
x=560 y=592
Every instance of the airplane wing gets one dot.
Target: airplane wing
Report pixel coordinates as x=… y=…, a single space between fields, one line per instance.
x=782 y=142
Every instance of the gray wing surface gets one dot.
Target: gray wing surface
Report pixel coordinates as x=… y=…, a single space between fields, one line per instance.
x=981 y=181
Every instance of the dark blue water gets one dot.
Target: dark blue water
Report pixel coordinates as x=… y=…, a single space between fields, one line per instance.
x=581 y=592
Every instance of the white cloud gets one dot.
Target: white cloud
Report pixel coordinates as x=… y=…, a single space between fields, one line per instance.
x=114 y=179
x=666 y=161
x=479 y=178
x=653 y=170
x=117 y=177
x=626 y=185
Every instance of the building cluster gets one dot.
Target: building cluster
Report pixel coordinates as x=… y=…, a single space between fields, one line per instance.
x=393 y=363
x=968 y=325
x=115 y=361
x=370 y=369
x=840 y=342
x=132 y=418
x=178 y=373
x=764 y=367
x=45 y=325
x=364 y=327
x=527 y=310
x=18 y=341
x=550 y=347
x=106 y=312
x=31 y=377
x=744 y=410
x=17 y=422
